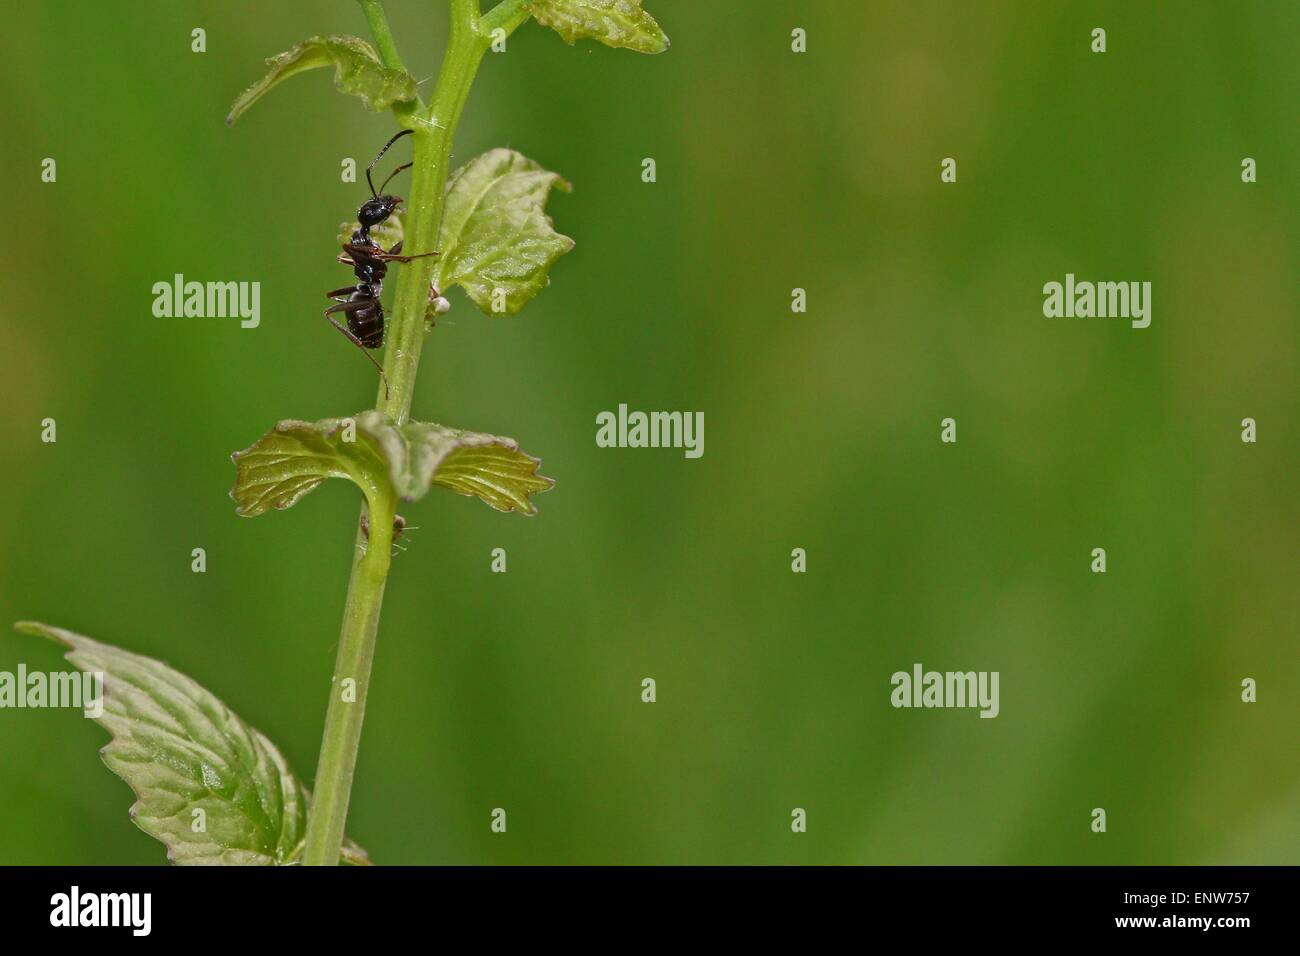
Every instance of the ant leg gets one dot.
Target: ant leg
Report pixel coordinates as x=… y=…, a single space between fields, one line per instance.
x=379 y=155
x=341 y=295
x=392 y=256
x=352 y=307
x=356 y=251
x=379 y=255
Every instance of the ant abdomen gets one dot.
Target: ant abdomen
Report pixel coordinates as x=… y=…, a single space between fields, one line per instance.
x=368 y=324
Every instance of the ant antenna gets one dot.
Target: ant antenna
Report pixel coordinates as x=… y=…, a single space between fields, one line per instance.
x=394 y=173
x=379 y=155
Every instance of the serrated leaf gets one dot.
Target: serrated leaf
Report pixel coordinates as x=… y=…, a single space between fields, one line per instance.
x=489 y=467
x=295 y=457
x=496 y=233
x=357 y=71
x=180 y=749
x=617 y=23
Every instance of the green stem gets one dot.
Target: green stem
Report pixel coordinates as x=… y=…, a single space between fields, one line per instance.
x=350 y=686
x=378 y=20
x=432 y=136
x=508 y=15
x=374 y=11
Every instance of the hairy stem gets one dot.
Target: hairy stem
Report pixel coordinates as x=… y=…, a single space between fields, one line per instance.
x=432 y=135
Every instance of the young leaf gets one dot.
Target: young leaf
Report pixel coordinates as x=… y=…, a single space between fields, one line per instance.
x=495 y=231
x=469 y=463
x=181 y=750
x=617 y=23
x=357 y=70
x=295 y=457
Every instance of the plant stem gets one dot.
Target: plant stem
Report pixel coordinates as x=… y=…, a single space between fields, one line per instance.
x=378 y=20
x=347 y=707
x=432 y=136
x=507 y=15
x=374 y=11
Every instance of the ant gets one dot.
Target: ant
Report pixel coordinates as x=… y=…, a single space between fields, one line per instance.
x=360 y=303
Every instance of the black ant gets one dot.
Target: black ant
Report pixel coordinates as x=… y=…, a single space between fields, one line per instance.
x=360 y=303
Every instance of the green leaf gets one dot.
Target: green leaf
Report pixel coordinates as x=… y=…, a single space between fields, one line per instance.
x=617 y=23
x=357 y=70
x=180 y=749
x=295 y=457
x=469 y=463
x=495 y=231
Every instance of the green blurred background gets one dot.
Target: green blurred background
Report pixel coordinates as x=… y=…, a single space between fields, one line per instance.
x=775 y=170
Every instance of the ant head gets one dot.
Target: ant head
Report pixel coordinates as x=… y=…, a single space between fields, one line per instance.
x=374 y=211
